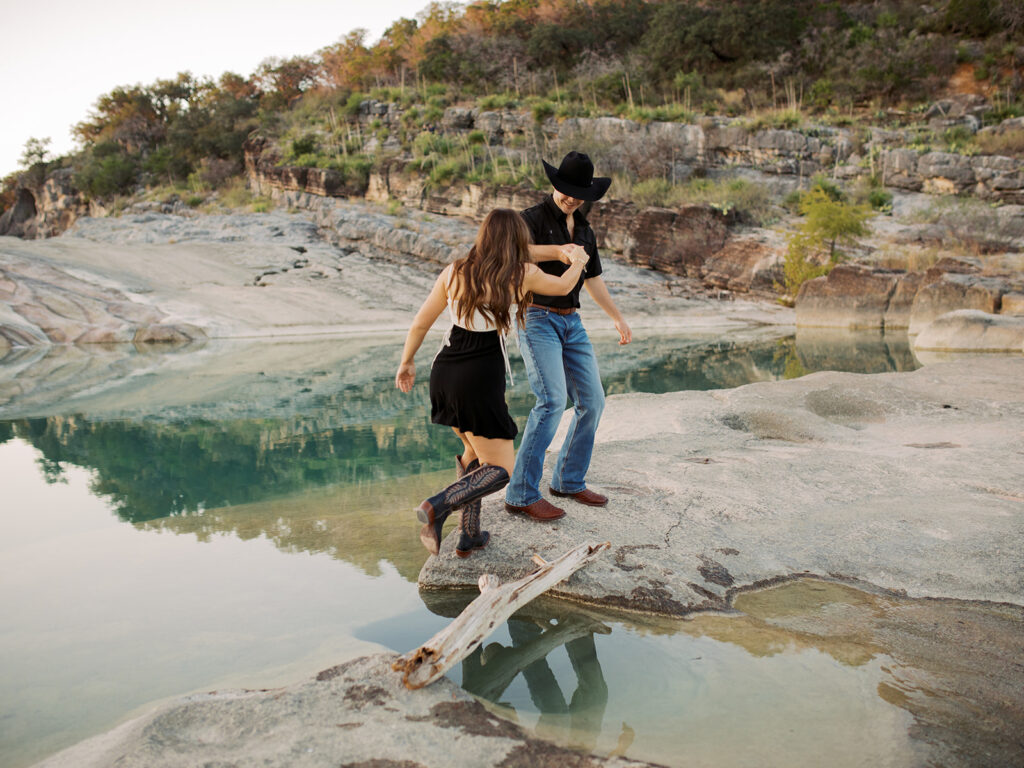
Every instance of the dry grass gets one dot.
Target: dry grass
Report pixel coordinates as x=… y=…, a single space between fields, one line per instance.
x=918 y=258
x=973 y=225
x=912 y=258
x=237 y=194
x=1010 y=143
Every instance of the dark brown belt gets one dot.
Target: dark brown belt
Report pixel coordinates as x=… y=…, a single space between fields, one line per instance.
x=556 y=310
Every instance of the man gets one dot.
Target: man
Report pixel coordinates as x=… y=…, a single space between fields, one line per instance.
x=559 y=357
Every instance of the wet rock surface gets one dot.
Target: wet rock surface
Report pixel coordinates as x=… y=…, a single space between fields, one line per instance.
x=906 y=481
x=354 y=714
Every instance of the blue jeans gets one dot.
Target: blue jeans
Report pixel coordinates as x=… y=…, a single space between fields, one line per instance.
x=560 y=362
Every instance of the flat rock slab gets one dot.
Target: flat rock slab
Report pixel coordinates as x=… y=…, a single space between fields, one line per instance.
x=355 y=715
x=913 y=482
x=162 y=277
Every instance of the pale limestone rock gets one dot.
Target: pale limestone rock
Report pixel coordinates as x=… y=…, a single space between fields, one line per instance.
x=850 y=296
x=1013 y=304
x=354 y=714
x=971 y=330
x=836 y=474
x=955 y=291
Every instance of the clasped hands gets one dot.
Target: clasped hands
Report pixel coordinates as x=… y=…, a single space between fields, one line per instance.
x=574 y=254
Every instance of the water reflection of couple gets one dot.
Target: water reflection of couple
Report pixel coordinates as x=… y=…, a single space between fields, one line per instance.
x=467 y=378
x=488 y=671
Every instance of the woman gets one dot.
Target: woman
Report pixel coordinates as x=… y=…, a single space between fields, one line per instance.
x=467 y=378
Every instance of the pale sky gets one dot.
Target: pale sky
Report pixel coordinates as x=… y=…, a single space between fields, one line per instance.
x=57 y=57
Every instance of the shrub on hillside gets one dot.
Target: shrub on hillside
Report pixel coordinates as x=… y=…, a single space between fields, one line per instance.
x=105 y=171
x=814 y=249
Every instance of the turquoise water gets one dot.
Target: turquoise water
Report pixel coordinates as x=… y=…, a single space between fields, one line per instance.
x=237 y=515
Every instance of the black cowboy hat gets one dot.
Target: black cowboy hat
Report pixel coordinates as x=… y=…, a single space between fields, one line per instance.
x=575 y=177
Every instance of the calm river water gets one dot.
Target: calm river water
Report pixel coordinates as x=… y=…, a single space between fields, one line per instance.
x=238 y=515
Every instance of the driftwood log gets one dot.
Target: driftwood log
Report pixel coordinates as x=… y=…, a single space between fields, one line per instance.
x=486 y=613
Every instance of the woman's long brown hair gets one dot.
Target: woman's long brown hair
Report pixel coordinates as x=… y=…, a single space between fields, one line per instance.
x=492 y=273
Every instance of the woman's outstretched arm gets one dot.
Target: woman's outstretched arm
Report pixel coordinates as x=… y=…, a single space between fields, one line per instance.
x=548 y=285
x=429 y=312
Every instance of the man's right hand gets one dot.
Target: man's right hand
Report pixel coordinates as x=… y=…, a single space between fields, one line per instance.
x=569 y=250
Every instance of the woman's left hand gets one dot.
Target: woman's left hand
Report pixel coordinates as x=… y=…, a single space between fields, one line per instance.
x=405 y=377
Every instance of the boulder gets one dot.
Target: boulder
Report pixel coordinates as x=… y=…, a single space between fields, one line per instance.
x=947 y=264
x=458 y=118
x=1013 y=304
x=611 y=220
x=1008 y=187
x=782 y=142
x=675 y=241
x=945 y=173
x=19 y=217
x=850 y=296
x=901 y=302
x=970 y=330
x=899 y=169
x=955 y=291
x=743 y=264
x=687 y=142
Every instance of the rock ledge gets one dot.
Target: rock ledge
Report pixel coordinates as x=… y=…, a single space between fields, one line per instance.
x=907 y=481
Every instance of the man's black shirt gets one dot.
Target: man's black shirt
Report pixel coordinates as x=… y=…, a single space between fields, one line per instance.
x=546 y=223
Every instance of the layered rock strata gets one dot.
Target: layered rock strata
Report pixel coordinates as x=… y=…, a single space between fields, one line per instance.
x=691 y=241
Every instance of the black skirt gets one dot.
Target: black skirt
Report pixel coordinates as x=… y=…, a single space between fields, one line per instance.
x=467 y=385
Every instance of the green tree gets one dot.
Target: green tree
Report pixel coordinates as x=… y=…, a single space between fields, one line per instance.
x=814 y=249
x=36 y=151
x=106 y=170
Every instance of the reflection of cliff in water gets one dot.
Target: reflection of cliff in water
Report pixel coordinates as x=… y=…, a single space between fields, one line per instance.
x=836 y=349
x=362 y=524
x=151 y=470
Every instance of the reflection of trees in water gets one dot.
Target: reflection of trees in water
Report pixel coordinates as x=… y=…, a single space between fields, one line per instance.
x=161 y=466
x=153 y=470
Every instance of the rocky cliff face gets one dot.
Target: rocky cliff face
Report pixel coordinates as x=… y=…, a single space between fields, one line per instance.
x=857 y=296
x=691 y=241
x=675 y=150
x=46 y=209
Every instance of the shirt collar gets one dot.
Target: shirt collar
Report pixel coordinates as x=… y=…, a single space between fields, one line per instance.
x=559 y=214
